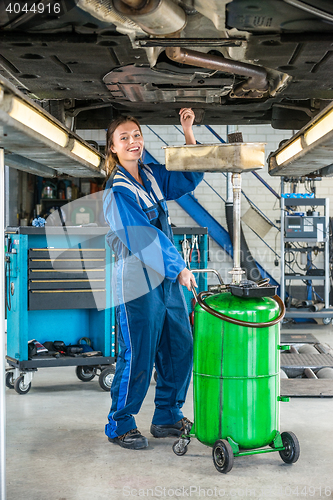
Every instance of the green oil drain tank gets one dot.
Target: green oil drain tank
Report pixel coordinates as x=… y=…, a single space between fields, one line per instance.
x=236 y=379
x=236 y=372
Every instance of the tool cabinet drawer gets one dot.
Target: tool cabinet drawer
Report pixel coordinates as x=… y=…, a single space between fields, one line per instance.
x=70 y=274
x=66 y=253
x=66 y=299
x=62 y=258
x=60 y=278
x=65 y=284
x=65 y=263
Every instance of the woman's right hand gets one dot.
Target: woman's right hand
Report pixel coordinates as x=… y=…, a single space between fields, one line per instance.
x=187 y=117
x=186 y=277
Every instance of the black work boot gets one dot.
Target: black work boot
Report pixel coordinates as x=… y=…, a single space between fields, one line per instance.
x=176 y=429
x=132 y=440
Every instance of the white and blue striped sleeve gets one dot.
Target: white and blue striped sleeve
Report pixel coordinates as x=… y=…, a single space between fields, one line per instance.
x=175 y=184
x=131 y=225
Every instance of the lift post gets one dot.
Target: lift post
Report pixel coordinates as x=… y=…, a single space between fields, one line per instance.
x=2 y=332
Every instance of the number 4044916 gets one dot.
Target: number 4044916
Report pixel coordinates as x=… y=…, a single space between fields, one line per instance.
x=36 y=8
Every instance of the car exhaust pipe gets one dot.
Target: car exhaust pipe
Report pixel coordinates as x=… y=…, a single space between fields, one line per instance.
x=155 y=17
x=255 y=87
x=135 y=4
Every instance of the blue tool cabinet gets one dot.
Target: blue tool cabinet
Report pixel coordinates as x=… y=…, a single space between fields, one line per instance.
x=58 y=288
x=190 y=233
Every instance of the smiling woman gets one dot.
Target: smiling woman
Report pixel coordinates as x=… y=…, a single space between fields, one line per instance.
x=117 y=139
x=152 y=317
x=127 y=145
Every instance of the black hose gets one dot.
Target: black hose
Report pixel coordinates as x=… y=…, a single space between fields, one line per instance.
x=247 y=261
x=239 y=322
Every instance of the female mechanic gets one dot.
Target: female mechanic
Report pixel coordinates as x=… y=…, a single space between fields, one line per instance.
x=152 y=317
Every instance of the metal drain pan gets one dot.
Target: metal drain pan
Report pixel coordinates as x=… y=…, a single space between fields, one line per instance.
x=235 y=157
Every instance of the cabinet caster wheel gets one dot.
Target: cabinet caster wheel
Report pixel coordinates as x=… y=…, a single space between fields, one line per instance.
x=291 y=453
x=85 y=373
x=106 y=377
x=223 y=456
x=10 y=380
x=20 y=386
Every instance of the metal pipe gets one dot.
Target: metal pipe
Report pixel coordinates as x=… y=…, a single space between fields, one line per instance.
x=316 y=307
x=282 y=248
x=255 y=86
x=209 y=271
x=229 y=188
x=230 y=129
x=135 y=4
x=2 y=332
x=236 y=188
x=310 y=9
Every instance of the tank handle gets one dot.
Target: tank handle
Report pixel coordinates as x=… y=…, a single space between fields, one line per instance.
x=205 y=271
x=200 y=298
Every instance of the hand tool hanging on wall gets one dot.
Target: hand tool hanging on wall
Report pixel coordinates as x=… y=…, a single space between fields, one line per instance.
x=186 y=250
x=194 y=250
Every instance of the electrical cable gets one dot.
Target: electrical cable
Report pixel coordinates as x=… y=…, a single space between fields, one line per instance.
x=288 y=251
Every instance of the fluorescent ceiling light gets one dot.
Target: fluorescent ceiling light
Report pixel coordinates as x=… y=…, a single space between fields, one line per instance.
x=291 y=150
x=86 y=154
x=321 y=128
x=37 y=122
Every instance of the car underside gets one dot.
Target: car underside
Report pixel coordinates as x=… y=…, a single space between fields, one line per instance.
x=234 y=62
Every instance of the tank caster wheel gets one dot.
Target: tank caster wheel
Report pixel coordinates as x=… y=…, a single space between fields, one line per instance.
x=85 y=373
x=106 y=378
x=179 y=448
x=223 y=456
x=20 y=386
x=291 y=453
x=327 y=321
x=10 y=380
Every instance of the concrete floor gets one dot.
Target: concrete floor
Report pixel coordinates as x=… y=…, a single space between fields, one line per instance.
x=57 y=450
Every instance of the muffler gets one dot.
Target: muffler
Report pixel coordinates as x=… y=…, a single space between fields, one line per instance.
x=155 y=17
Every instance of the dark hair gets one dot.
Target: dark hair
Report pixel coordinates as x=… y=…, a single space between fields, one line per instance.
x=111 y=159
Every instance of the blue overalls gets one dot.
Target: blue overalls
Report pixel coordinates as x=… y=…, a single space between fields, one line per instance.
x=152 y=317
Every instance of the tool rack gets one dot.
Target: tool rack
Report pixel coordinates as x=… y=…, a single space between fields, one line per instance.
x=58 y=288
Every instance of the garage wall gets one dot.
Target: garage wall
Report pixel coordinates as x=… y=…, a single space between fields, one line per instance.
x=252 y=187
